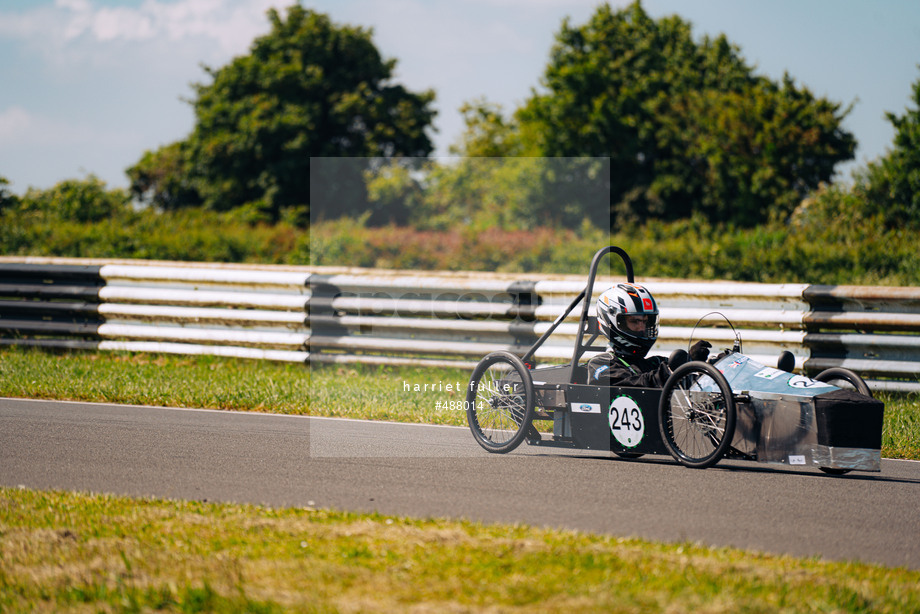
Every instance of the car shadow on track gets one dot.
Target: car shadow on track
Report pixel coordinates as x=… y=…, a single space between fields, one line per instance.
x=736 y=467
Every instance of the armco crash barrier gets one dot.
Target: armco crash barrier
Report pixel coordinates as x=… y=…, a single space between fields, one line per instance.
x=322 y=314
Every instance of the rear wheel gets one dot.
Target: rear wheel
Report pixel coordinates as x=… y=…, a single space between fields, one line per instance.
x=842 y=378
x=696 y=415
x=500 y=402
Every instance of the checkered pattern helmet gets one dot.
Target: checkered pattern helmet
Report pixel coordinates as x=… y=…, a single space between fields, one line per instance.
x=619 y=303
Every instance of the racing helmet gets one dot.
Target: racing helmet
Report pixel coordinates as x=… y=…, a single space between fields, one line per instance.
x=627 y=315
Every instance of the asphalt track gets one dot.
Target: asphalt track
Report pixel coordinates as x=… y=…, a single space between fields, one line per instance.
x=428 y=471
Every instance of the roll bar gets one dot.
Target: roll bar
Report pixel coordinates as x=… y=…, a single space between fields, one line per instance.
x=585 y=295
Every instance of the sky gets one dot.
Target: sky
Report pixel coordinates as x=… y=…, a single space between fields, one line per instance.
x=87 y=86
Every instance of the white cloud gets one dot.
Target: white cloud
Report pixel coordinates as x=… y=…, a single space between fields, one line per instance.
x=227 y=25
x=94 y=83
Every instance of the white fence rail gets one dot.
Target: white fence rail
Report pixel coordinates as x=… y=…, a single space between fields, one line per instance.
x=328 y=315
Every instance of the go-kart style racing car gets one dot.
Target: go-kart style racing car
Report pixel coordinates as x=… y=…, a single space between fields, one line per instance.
x=734 y=407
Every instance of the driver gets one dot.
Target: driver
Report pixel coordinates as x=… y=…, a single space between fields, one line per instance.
x=627 y=315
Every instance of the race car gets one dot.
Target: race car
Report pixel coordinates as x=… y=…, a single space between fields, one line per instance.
x=734 y=407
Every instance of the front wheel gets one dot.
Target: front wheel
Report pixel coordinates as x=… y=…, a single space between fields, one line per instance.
x=696 y=415
x=500 y=402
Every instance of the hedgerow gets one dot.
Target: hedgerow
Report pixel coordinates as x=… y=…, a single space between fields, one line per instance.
x=830 y=239
x=821 y=254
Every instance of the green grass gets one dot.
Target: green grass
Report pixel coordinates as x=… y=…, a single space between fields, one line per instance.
x=358 y=391
x=83 y=552
x=375 y=393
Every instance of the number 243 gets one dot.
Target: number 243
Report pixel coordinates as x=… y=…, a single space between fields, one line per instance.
x=623 y=422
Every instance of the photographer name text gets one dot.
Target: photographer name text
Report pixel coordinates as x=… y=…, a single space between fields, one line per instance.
x=434 y=387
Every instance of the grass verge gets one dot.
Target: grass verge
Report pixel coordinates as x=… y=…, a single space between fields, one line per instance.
x=399 y=394
x=82 y=552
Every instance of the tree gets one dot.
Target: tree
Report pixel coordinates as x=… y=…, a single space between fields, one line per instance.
x=520 y=191
x=745 y=156
x=308 y=88
x=8 y=200
x=687 y=125
x=892 y=184
x=162 y=178
x=488 y=132
x=507 y=192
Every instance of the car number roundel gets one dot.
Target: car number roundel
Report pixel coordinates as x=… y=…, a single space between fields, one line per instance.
x=626 y=422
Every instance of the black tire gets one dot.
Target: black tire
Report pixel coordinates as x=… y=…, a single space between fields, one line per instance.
x=500 y=402
x=629 y=455
x=697 y=427
x=839 y=374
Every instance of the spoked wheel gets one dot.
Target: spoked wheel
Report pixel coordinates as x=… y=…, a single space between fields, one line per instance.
x=500 y=402
x=850 y=380
x=696 y=415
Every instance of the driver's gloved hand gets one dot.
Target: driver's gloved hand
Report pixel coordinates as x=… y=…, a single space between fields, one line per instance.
x=700 y=350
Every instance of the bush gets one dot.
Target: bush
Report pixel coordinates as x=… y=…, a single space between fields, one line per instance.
x=75 y=200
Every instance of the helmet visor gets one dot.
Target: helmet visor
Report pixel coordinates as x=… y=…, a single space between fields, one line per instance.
x=643 y=326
